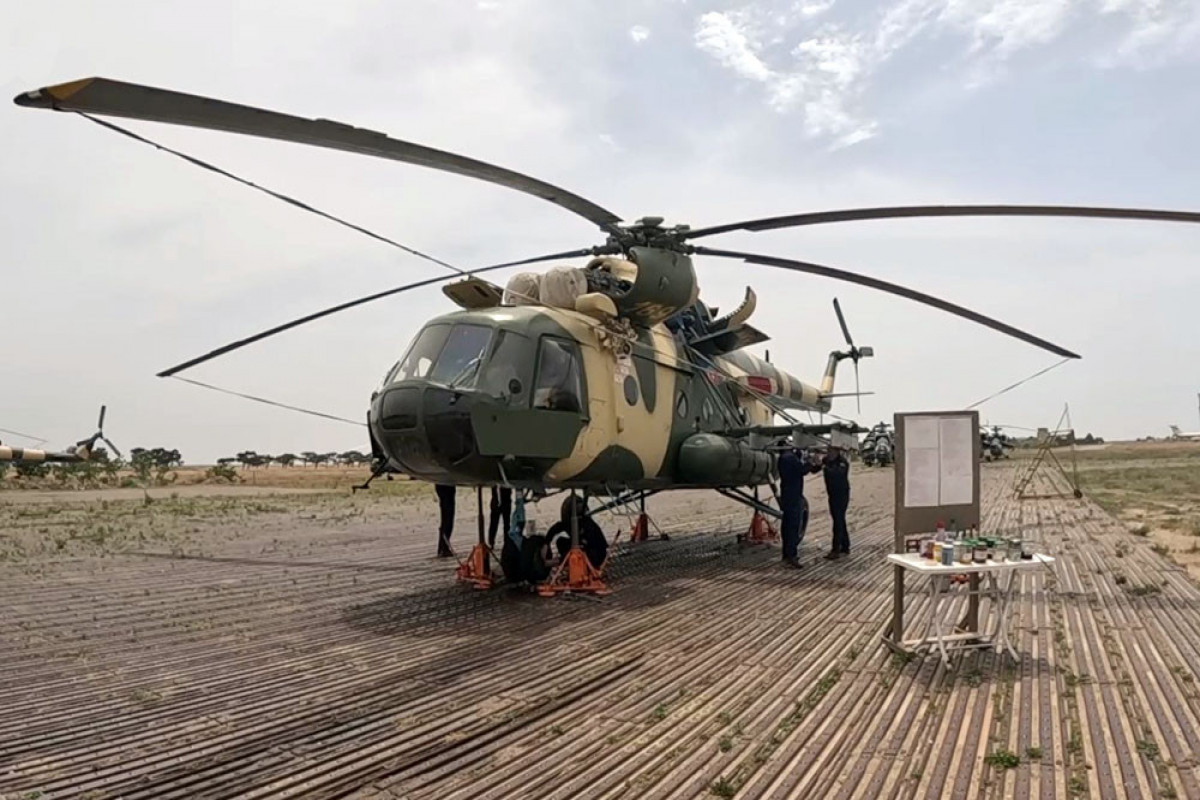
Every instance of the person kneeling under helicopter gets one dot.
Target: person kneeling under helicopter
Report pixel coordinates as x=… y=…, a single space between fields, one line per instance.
x=591 y=538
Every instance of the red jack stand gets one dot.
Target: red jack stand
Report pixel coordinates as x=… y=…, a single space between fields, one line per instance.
x=761 y=530
x=574 y=574
x=476 y=570
x=641 y=529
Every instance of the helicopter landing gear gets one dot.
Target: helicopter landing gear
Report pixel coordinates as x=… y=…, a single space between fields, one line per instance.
x=477 y=568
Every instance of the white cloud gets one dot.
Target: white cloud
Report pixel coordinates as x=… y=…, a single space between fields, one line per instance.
x=813 y=8
x=639 y=33
x=727 y=39
x=832 y=66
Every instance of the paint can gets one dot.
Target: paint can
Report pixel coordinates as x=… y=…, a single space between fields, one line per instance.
x=1014 y=549
x=948 y=554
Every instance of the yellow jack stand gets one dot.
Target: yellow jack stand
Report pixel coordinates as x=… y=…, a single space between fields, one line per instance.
x=475 y=570
x=761 y=530
x=574 y=574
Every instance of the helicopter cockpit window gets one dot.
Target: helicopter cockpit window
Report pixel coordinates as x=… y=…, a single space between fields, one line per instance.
x=459 y=362
x=418 y=361
x=506 y=374
x=558 y=386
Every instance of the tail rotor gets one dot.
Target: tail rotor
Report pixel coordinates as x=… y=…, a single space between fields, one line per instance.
x=854 y=353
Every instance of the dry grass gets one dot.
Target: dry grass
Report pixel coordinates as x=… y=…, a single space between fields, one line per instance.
x=1155 y=489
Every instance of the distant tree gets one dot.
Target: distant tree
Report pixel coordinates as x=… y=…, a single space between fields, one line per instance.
x=285 y=460
x=227 y=461
x=159 y=461
x=354 y=457
x=310 y=457
x=247 y=458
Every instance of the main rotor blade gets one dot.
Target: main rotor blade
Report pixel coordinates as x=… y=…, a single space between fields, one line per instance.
x=892 y=212
x=100 y=424
x=842 y=321
x=891 y=288
x=119 y=99
x=240 y=343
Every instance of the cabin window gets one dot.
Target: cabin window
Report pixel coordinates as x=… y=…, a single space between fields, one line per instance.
x=418 y=361
x=458 y=364
x=559 y=386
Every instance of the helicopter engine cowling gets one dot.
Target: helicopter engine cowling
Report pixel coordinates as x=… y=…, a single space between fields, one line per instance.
x=707 y=458
x=649 y=286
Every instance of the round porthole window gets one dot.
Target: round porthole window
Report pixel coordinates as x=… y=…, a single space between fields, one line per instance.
x=631 y=390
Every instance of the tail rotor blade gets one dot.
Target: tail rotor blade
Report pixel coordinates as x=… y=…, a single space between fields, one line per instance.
x=111 y=446
x=842 y=321
x=857 y=390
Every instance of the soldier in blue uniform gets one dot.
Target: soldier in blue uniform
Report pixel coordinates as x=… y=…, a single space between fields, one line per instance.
x=792 y=469
x=837 y=485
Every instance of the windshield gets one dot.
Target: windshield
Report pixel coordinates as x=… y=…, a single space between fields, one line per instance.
x=458 y=364
x=420 y=356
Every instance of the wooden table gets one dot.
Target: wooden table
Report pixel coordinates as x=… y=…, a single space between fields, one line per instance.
x=937 y=629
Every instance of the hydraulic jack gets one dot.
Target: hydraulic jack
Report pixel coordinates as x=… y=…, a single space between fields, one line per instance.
x=477 y=568
x=575 y=573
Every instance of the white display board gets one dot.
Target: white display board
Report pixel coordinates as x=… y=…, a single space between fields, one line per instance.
x=938 y=458
x=937 y=469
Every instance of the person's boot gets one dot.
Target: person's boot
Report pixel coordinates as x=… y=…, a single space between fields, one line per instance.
x=832 y=555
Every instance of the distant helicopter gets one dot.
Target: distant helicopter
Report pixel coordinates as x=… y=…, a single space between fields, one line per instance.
x=83 y=450
x=614 y=378
x=994 y=444
x=878 y=446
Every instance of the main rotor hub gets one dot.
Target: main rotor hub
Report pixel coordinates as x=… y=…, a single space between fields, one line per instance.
x=647 y=232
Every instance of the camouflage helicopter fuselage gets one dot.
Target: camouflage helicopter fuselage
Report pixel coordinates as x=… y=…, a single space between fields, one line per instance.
x=544 y=397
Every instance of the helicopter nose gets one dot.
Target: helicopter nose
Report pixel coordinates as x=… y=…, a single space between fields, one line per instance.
x=427 y=429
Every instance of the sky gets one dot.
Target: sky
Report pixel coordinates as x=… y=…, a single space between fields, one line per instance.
x=120 y=260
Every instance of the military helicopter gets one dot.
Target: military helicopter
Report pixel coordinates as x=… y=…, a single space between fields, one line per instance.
x=995 y=444
x=613 y=378
x=83 y=450
x=877 y=446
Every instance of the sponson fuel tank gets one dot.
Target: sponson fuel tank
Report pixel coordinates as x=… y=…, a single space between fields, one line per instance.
x=711 y=459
